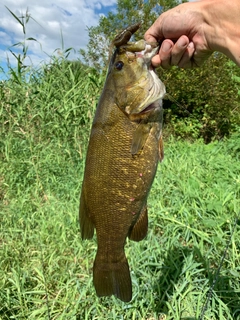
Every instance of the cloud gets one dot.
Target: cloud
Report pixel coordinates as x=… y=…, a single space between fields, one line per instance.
x=51 y=23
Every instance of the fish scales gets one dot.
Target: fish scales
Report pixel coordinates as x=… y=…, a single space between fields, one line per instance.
x=117 y=180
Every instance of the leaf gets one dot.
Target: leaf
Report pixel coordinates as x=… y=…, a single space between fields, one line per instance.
x=33 y=39
x=15 y=16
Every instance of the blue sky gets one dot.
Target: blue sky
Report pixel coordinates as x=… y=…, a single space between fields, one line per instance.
x=71 y=18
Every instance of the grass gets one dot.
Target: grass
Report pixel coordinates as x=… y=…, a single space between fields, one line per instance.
x=46 y=270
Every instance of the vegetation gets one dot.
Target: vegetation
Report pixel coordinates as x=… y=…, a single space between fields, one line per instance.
x=202 y=102
x=127 y=12
x=46 y=269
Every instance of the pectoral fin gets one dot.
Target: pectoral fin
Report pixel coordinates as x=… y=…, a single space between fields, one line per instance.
x=139 y=230
x=139 y=137
x=86 y=225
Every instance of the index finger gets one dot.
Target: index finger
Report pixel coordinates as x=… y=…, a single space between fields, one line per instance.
x=153 y=34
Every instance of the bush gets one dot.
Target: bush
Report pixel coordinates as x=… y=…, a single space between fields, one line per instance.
x=202 y=102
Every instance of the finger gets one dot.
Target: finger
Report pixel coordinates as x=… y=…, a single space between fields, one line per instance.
x=179 y=50
x=154 y=33
x=187 y=58
x=165 y=53
x=150 y=38
x=156 y=62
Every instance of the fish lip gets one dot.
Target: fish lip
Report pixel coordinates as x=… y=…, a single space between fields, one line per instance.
x=149 y=52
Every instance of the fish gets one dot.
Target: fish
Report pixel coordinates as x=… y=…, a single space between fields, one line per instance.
x=124 y=149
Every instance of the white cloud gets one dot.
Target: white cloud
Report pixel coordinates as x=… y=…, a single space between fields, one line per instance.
x=51 y=19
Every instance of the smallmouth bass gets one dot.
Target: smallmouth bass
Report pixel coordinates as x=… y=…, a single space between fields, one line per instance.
x=123 y=152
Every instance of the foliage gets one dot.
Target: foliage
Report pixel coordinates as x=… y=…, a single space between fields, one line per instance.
x=127 y=12
x=58 y=101
x=203 y=102
x=20 y=73
x=46 y=269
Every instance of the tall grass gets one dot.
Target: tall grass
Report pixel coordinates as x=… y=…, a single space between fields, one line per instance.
x=46 y=269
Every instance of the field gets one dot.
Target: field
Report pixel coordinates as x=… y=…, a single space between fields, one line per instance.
x=46 y=270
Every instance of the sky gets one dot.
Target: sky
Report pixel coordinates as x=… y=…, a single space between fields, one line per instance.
x=49 y=23
x=50 y=19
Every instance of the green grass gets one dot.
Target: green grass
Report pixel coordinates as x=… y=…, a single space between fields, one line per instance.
x=46 y=269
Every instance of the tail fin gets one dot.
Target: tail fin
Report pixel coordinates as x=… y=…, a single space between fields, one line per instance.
x=113 y=278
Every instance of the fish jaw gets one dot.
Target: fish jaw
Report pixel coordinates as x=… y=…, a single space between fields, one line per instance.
x=156 y=93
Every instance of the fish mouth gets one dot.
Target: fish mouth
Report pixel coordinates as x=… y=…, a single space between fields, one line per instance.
x=152 y=87
x=150 y=50
x=156 y=92
x=156 y=88
x=149 y=108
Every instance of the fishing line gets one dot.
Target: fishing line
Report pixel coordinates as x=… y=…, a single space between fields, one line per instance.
x=169 y=97
x=210 y=291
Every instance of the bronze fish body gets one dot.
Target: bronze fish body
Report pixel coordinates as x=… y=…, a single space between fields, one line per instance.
x=123 y=152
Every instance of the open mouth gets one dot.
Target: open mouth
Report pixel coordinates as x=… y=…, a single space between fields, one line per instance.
x=149 y=108
x=153 y=87
x=156 y=91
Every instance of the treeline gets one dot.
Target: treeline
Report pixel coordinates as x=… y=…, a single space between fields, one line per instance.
x=60 y=98
x=204 y=102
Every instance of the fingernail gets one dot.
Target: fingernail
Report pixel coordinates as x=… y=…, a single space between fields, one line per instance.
x=166 y=46
x=191 y=45
x=182 y=42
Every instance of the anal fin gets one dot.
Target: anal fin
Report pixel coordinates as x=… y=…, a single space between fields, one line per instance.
x=140 y=228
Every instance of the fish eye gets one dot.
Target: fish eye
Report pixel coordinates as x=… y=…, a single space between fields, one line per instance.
x=119 y=65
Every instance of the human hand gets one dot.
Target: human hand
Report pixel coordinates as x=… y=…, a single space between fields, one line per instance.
x=181 y=31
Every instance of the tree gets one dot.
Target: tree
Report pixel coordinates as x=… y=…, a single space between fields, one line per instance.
x=127 y=12
x=203 y=102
